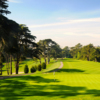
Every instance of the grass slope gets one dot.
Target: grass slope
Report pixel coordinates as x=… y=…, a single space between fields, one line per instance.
x=77 y=80
x=29 y=62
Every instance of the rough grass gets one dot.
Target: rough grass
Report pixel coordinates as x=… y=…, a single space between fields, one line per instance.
x=77 y=80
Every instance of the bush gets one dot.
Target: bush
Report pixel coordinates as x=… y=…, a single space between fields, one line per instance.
x=36 y=67
x=39 y=67
x=43 y=65
x=33 y=69
x=26 y=70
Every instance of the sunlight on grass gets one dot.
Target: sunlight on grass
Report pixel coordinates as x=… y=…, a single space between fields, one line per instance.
x=71 y=83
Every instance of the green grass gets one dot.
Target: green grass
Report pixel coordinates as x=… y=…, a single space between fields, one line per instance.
x=29 y=62
x=77 y=80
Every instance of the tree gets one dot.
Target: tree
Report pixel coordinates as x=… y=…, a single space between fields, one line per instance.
x=88 y=51
x=56 y=52
x=42 y=46
x=4 y=29
x=46 y=47
x=49 y=43
x=24 y=41
x=66 y=50
x=3 y=7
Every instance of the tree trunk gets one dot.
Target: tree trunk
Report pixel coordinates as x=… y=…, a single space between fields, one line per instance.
x=45 y=60
x=10 y=64
x=48 y=58
x=95 y=59
x=40 y=60
x=7 y=66
x=0 y=64
x=1 y=69
x=17 y=64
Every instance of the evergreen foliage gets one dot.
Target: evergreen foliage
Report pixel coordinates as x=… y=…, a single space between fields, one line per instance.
x=39 y=67
x=22 y=58
x=43 y=65
x=26 y=69
x=33 y=69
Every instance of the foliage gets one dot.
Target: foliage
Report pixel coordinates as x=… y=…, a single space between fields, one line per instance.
x=26 y=69
x=46 y=47
x=33 y=69
x=22 y=58
x=39 y=67
x=3 y=7
x=43 y=65
x=36 y=67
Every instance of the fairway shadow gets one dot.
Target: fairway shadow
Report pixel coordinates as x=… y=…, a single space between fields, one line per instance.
x=71 y=70
x=66 y=70
x=38 y=79
x=94 y=92
x=69 y=60
x=53 y=70
x=24 y=87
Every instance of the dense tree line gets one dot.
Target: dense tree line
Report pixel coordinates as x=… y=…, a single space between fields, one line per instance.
x=88 y=52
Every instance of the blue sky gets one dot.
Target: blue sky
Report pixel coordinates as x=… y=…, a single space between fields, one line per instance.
x=67 y=22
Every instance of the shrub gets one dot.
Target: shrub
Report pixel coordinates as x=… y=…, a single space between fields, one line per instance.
x=39 y=67
x=36 y=67
x=26 y=70
x=43 y=65
x=33 y=69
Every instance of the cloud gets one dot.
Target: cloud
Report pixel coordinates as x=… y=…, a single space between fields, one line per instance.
x=70 y=32
x=14 y=1
x=85 y=34
x=67 y=22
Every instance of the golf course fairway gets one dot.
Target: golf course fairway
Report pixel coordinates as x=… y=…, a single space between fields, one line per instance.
x=77 y=80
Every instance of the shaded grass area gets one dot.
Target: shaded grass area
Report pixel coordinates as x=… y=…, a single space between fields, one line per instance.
x=70 y=83
x=29 y=62
x=37 y=87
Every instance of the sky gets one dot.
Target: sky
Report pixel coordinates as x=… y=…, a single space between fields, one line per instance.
x=67 y=22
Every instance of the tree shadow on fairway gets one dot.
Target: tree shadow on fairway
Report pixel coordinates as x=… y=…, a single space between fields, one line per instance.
x=93 y=92
x=66 y=70
x=18 y=88
x=69 y=60
x=71 y=70
x=21 y=87
x=36 y=79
